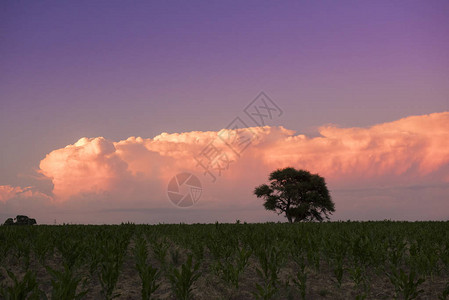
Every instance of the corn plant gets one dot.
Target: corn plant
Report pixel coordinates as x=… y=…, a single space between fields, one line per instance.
x=265 y=291
x=65 y=283
x=147 y=273
x=313 y=256
x=198 y=251
x=271 y=261
x=300 y=280
x=337 y=252
x=174 y=255
x=109 y=272
x=444 y=256
x=182 y=280
x=358 y=275
x=112 y=258
x=445 y=293
x=230 y=270
x=160 y=250
x=406 y=284
x=396 y=251
x=297 y=253
x=71 y=252
x=23 y=251
x=27 y=288
x=42 y=248
x=338 y=270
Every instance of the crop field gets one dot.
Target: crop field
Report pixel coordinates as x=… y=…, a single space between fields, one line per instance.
x=332 y=260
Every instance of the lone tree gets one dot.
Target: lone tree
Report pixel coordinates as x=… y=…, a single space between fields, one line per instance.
x=20 y=220
x=300 y=195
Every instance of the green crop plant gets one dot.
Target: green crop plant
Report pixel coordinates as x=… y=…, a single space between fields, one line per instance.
x=42 y=247
x=182 y=280
x=243 y=257
x=27 y=288
x=230 y=269
x=112 y=253
x=396 y=249
x=175 y=256
x=198 y=251
x=160 y=250
x=23 y=251
x=338 y=270
x=271 y=260
x=65 y=283
x=405 y=284
x=444 y=295
x=300 y=280
x=358 y=275
x=147 y=273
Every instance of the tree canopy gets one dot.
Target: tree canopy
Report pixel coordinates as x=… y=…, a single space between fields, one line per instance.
x=298 y=194
x=20 y=220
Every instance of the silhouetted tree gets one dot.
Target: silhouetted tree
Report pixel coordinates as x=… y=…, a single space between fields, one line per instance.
x=300 y=195
x=9 y=221
x=20 y=220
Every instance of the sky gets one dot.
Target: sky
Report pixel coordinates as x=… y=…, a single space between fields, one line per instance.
x=103 y=103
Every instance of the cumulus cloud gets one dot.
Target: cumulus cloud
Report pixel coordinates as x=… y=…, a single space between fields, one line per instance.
x=89 y=165
x=8 y=192
x=95 y=174
x=416 y=144
x=412 y=147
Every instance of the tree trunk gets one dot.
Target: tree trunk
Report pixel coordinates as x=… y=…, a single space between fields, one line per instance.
x=287 y=211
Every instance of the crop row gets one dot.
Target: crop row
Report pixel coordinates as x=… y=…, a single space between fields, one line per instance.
x=361 y=260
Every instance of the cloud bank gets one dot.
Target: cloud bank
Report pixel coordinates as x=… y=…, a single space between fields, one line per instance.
x=8 y=192
x=410 y=151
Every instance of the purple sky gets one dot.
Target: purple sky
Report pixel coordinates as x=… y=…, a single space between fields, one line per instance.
x=138 y=68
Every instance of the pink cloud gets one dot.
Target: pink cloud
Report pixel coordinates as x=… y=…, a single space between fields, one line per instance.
x=417 y=144
x=371 y=172
x=413 y=150
x=8 y=192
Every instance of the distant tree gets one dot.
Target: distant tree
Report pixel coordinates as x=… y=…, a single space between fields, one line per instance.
x=20 y=220
x=9 y=221
x=298 y=194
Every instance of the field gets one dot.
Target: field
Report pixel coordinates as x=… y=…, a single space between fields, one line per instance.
x=332 y=260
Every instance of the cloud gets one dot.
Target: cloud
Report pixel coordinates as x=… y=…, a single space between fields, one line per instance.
x=413 y=147
x=8 y=192
x=95 y=174
x=89 y=165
